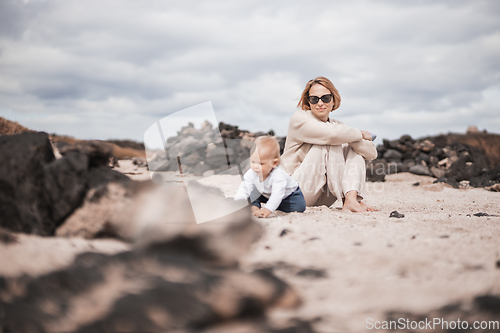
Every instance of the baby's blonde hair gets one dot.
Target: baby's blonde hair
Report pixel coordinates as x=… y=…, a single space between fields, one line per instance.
x=268 y=146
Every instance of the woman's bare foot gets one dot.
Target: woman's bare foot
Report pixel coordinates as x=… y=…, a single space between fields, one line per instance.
x=368 y=208
x=351 y=203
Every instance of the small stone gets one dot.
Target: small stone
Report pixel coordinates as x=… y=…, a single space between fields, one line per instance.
x=285 y=232
x=420 y=169
x=426 y=146
x=396 y=214
x=472 y=129
x=392 y=155
x=311 y=273
x=139 y=161
x=450 y=181
x=484 y=214
x=437 y=172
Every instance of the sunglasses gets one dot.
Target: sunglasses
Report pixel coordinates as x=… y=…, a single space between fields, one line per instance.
x=324 y=98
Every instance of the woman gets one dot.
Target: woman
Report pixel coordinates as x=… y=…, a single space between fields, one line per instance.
x=325 y=156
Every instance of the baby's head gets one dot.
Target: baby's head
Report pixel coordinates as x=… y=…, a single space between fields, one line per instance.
x=265 y=155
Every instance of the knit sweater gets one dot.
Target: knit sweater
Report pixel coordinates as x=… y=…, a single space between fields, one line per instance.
x=305 y=130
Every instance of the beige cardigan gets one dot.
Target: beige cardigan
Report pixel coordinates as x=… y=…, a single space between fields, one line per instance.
x=306 y=130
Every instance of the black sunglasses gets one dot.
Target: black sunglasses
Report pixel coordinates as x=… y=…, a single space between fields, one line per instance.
x=324 y=98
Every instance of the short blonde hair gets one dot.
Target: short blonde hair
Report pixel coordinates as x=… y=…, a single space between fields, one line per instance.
x=267 y=145
x=304 y=98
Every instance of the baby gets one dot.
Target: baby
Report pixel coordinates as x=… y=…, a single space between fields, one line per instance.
x=276 y=188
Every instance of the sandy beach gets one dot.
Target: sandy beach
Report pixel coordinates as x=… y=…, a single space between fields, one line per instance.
x=347 y=267
x=438 y=254
x=368 y=264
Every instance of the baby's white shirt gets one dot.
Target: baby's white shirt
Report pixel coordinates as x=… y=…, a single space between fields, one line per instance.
x=277 y=186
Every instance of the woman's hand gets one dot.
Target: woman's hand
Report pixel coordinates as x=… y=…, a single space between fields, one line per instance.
x=366 y=135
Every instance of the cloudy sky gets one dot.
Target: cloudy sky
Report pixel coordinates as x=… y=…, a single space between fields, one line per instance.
x=99 y=69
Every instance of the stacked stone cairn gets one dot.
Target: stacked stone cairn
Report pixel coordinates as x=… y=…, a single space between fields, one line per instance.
x=202 y=152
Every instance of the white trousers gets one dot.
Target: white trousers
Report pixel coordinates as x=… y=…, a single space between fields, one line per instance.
x=329 y=172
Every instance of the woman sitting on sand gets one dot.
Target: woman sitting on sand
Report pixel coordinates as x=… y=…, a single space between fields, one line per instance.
x=326 y=157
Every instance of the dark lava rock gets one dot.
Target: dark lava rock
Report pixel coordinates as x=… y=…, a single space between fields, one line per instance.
x=396 y=214
x=24 y=201
x=393 y=155
x=404 y=139
x=422 y=157
x=471 y=163
x=376 y=171
x=488 y=303
x=285 y=232
x=311 y=273
x=449 y=181
x=486 y=178
x=425 y=145
x=495 y=174
x=454 y=157
x=420 y=169
x=394 y=167
x=98 y=152
x=38 y=192
x=391 y=144
x=402 y=167
x=381 y=149
x=179 y=277
x=139 y=292
x=65 y=184
x=293 y=270
x=483 y=214
x=463 y=170
x=7 y=237
x=483 y=308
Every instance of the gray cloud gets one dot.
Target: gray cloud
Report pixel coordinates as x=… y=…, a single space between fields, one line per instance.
x=417 y=67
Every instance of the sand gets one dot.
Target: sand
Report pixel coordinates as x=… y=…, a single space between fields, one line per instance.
x=439 y=253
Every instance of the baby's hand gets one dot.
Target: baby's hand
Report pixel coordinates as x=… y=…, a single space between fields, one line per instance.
x=263 y=212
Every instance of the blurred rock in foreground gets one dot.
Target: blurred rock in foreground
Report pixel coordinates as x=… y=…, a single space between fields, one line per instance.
x=38 y=191
x=180 y=276
x=483 y=311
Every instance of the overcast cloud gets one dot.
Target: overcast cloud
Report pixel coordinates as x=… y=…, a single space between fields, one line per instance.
x=109 y=69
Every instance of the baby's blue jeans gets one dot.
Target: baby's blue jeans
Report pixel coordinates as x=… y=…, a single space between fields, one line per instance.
x=295 y=202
